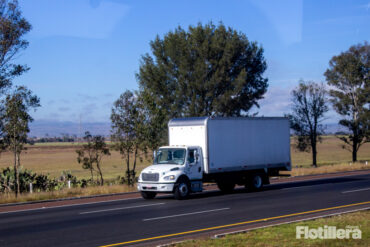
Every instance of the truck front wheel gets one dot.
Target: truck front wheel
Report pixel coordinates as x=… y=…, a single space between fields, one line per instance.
x=182 y=190
x=226 y=187
x=148 y=194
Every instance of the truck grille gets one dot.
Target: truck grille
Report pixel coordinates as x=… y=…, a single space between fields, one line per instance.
x=150 y=176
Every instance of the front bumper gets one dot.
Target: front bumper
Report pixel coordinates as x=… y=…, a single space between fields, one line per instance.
x=164 y=187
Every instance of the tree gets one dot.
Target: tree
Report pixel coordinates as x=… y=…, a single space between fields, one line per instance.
x=204 y=71
x=92 y=153
x=349 y=76
x=12 y=29
x=309 y=107
x=129 y=130
x=15 y=119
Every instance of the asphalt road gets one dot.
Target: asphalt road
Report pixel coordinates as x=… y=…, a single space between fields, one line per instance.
x=138 y=221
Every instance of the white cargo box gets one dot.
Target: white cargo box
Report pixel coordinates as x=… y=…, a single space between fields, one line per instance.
x=232 y=144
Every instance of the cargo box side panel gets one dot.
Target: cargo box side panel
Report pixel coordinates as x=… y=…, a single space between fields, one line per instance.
x=236 y=144
x=190 y=136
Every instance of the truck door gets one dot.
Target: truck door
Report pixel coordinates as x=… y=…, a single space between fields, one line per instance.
x=194 y=164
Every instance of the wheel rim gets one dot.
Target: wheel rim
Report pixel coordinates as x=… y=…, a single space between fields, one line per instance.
x=257 y=181
x=183 y=188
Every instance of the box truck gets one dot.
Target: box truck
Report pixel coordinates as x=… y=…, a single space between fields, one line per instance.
x=227 y=151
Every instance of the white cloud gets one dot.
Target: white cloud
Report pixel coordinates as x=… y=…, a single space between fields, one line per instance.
x=276 y=102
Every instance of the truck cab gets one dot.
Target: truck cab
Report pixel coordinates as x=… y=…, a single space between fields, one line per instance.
x=175 y=169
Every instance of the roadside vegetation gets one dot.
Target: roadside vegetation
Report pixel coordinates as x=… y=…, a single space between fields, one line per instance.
x=285 y=235
x=66 y=193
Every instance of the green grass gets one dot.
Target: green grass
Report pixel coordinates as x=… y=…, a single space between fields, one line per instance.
x=285 y=235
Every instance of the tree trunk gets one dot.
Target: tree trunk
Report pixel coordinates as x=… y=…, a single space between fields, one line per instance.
x=313 y=148
x=92 y=174
x=314 y=155
x=134 y=166
x=101 y=174
x=354 y=150
x=128 y=168
x=18 y=165
x=15 y=170
x=16 y=173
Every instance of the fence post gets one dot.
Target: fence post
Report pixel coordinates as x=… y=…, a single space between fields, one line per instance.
x=31 y=188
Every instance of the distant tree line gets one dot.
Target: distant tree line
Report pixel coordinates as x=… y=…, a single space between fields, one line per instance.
x=64 y=137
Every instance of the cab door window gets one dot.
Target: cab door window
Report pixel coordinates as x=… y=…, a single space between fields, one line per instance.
x=191 y=156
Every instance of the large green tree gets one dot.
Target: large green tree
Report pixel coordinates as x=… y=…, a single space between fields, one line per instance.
x=206 y=70
x=13 y=27
x=349 y=76
x=15 y=119
x=308 y=110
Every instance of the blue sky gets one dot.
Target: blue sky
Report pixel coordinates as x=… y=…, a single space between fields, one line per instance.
x=84 y=53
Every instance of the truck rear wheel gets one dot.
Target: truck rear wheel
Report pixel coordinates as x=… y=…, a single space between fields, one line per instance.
x=226 y=187
x=148 y=194
x=255 y=182
x=182 y=190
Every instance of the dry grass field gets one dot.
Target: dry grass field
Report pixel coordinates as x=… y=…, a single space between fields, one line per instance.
x=54 y=158
x=330 y=151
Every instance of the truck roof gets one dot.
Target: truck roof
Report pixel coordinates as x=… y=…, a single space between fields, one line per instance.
x=193 y=121
x=177 y=146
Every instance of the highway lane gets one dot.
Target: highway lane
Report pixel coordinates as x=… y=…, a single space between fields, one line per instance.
x=120 y=221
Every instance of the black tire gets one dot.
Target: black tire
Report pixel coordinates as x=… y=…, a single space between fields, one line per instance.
x=226 y=187
x=148 y=194
x=182 y=189
x=255 y=182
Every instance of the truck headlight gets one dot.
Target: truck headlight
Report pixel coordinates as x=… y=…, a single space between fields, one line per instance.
x=171 y=177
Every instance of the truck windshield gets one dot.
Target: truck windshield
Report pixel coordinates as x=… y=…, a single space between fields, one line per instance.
x=170 y=156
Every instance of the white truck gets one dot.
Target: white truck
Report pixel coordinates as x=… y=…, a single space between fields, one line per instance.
x=228 y=151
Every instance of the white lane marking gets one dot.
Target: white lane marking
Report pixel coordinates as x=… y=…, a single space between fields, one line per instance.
x=178 y=215
x=113 y=209
x=350 y=191
x=70 y=205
